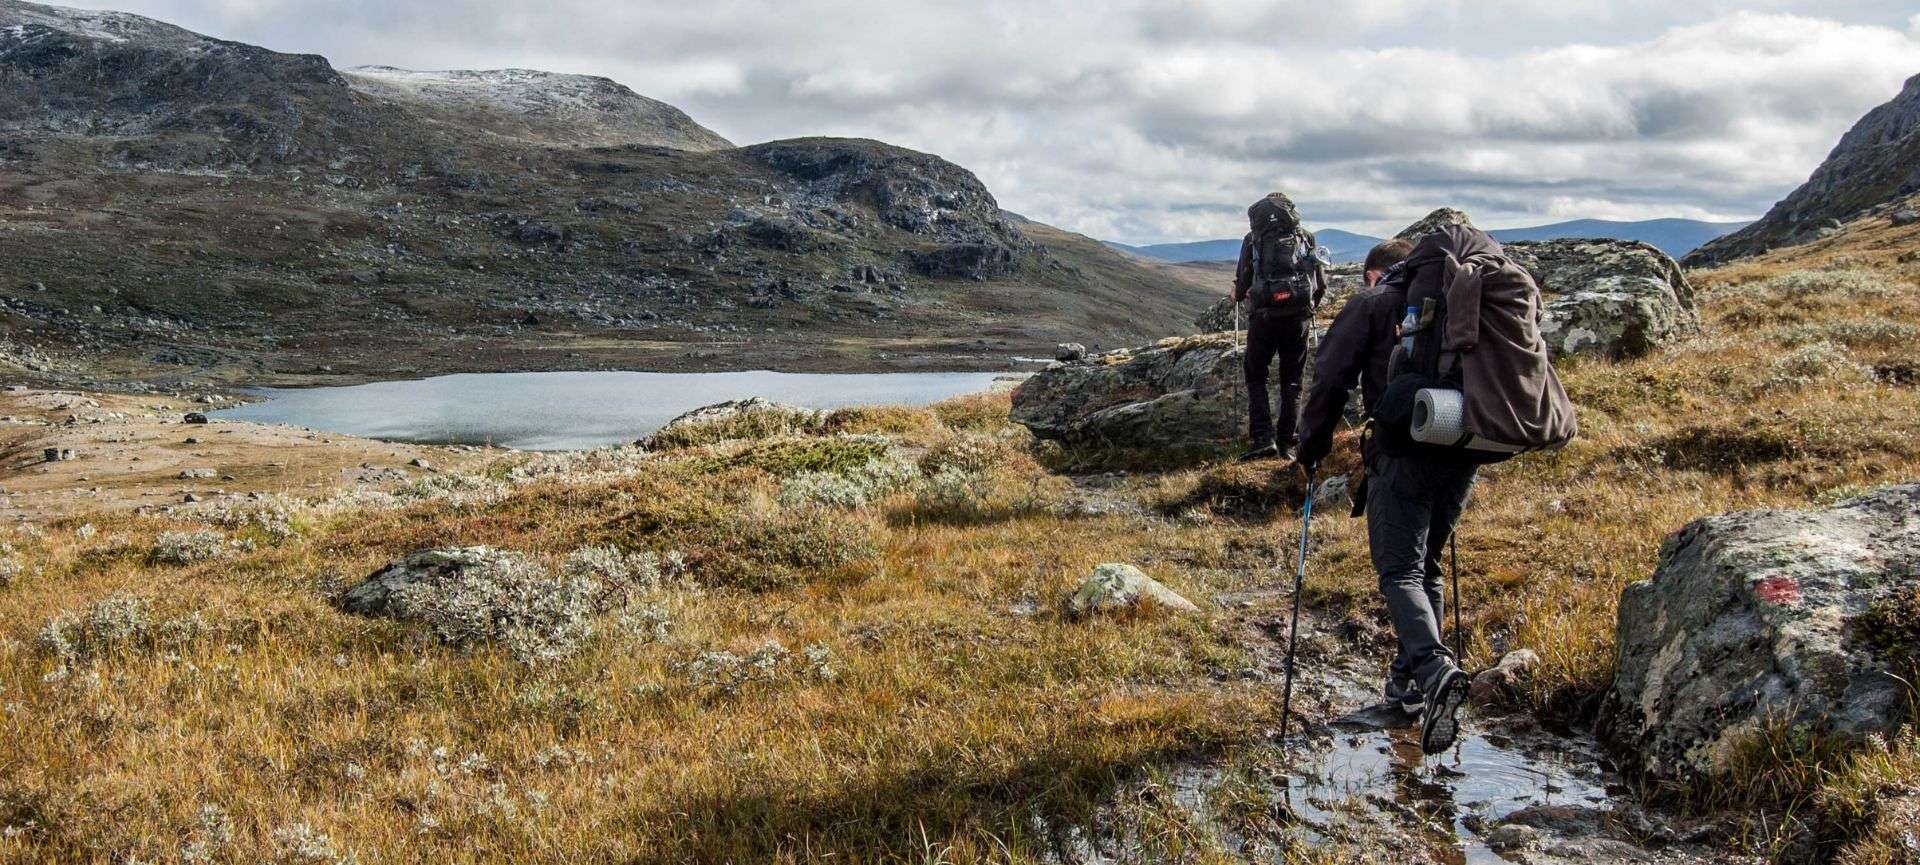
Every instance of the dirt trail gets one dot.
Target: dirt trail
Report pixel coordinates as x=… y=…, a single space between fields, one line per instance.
x=137 y=452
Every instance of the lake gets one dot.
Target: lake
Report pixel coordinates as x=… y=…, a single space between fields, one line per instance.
x=574 y=410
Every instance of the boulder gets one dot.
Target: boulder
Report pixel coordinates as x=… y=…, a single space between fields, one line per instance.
x=1615 y=318
x=1179 y=392
x=1501 y=679
x=728 y=410
x=379 y=595
x=1804 y=618
x=1433 y=222
x=1905 y=216
x=977 y=261
x=1609 y=298
x=1114 y=588
x=195 y=474
x=1219 y=317
x=1070 y=351
x=1570 y=264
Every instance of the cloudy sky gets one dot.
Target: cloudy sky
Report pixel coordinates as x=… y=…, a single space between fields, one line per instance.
x=1158 y=120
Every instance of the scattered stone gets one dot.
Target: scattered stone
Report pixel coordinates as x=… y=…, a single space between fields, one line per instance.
x=1116 y=587
x=194 y=417
x=1905 y=216
x=191 y=441
x=419 y=463
x=728 y=410
x=189 y=498
x=1501 y=679
x=1334 y=493
x=1761 y=617
x=1178 y=392
x=1070 y=351
x=196 y=474
x=56 y=455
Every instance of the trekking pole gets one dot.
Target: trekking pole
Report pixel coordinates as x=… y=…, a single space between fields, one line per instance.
x=1235 y=411
x=1293 y=629
x=1459 y=635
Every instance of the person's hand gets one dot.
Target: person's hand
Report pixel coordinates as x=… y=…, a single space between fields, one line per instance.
x=1312 y=468
x=1310 y=452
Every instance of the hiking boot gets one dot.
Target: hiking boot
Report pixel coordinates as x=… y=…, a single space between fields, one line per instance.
x=1260 y=453
x=1406 y=694
x=1442 y=722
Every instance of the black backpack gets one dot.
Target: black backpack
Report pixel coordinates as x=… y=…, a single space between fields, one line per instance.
x=1284 y=272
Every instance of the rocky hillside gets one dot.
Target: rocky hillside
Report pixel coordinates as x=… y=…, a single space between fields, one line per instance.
x=538 y=107
x=1876 y=165
x=176 y=206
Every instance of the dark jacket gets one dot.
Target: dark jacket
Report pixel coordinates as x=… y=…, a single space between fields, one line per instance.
x=1354 y=351
x=1243 y=271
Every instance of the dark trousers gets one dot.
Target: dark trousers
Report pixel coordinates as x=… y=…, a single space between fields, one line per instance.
x=1267 y=338
x=1412 y=507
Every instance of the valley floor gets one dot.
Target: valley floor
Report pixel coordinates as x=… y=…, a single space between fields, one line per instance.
x=808 y=638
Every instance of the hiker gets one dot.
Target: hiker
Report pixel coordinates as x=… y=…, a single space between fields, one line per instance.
x=1450 y=314
x=1282 y=279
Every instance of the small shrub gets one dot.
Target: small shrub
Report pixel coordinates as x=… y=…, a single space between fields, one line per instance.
x=277 y=516
x=980 y=412
x=971 y=454
x=880 y=420
x=456 y=490
x=1815 y=362
x=300 y=844
x=749 y=549
x=1717 y=448
x=1852 y=334
x=786 y=458
x=10 y=570
x=620 y=574
x=118 y=622
x=599 y=465
x=1791 y=297
x=186 y=548
x=854 y=488
x=508 y=600
x=754 y=424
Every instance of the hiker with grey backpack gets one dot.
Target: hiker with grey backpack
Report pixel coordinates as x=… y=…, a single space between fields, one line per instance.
x=1281 y=277
x=1454 y=374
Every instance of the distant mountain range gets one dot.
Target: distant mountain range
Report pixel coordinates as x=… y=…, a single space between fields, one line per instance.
x=1345 y=246
x=1675 y=237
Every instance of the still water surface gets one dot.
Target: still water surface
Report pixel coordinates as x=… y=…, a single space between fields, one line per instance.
x=570 y=410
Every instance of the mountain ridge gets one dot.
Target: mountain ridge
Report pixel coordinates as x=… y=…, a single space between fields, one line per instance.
x=186 y=208
x=1875 y=165
x=1675 y=237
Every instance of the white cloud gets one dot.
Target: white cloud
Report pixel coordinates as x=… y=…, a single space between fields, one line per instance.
x=1149 y=120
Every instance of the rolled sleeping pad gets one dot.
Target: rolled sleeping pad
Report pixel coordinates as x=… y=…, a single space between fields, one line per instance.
x=1440 y=418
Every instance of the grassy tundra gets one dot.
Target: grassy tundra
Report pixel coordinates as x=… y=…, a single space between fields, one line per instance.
x=843 y=638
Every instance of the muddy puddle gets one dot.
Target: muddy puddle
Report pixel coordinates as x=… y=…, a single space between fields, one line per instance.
x=1509 y=791
x=1459 y=796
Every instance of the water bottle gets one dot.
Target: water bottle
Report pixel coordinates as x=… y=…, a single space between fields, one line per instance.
x=1407 y=327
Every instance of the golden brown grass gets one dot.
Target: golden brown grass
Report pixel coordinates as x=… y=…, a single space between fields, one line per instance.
x=964 y=719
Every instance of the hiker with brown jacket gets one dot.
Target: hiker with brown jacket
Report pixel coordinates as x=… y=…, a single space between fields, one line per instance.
x=1281 y=278
x=1449 y=321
